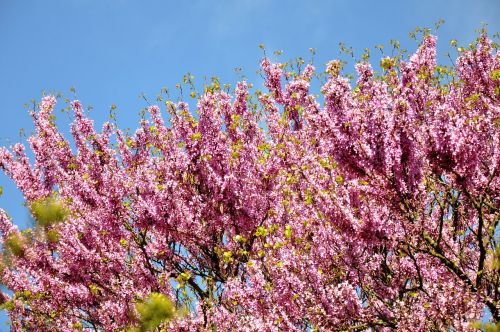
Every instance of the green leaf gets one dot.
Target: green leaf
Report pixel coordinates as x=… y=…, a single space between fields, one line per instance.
x=48 y=211
x=196 y=136
x=154 y=311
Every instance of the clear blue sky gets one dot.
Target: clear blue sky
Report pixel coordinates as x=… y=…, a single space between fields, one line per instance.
x=113 y=50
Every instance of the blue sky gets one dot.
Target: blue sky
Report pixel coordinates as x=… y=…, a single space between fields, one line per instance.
x=111 y=51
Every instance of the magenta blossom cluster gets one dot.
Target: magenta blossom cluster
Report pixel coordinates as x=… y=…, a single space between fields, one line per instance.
x=375 y=208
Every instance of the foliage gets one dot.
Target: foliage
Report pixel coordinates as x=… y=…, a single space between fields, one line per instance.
x=48 y=211
x=377 y=209
x=153 y=311
x=488 y=327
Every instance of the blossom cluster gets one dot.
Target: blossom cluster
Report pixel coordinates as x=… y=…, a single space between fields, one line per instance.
x=375 y=208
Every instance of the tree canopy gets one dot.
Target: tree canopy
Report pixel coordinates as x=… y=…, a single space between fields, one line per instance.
x=373 y=207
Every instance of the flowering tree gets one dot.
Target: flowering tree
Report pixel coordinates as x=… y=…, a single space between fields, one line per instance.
x=377 y=210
